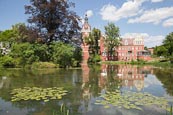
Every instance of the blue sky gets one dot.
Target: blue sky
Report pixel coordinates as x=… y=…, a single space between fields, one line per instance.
x=150 y=19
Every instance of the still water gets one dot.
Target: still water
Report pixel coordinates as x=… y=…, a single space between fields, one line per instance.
x=85 y=86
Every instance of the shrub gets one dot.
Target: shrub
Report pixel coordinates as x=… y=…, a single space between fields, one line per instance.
x=40 y=65
x=1 y=53
x=133 y=62
x=7 y=61
x=171 y=59
x=42 y=51
x=62 y=54
x=28 y=53
x=94 y=59
x=141 y=61
x=74 y=63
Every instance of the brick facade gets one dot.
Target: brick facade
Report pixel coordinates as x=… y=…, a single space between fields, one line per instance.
x=130 y=76
x=86 y=29
x=130 y=48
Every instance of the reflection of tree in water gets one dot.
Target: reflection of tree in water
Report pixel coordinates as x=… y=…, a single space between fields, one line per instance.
x=89 y=86
x=56 y=78
x=96 y=83
x=94 y=80
x=166 y=77
x=113 y=82
x=48 y=108
x=52 y=107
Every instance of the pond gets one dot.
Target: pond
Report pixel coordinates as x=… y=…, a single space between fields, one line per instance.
x=95 y=90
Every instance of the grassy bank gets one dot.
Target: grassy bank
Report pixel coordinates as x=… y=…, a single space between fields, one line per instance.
x=154 y=63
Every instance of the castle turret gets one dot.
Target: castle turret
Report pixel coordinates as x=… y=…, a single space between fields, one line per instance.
x=86 y=28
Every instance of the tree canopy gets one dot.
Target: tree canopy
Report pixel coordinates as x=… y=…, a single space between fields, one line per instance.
x=168 y=43
x=7 y=35
x=53 y=19
x=93 y=40
x=160 y=50
x=112 y=37
x=19 y=33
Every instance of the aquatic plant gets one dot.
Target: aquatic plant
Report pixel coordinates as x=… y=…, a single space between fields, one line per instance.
x=131 y=100
x=171 y=110
x=63 y=110
x=37 y=93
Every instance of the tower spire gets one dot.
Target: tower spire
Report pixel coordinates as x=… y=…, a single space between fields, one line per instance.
x=86 y=18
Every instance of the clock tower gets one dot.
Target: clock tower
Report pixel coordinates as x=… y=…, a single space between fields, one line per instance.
x=86 y=30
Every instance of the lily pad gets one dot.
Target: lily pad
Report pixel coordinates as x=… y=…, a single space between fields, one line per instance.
x=37 y=93
x=131 y=100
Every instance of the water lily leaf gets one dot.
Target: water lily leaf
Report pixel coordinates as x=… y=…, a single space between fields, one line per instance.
x=37 y=93
x=131 y=100
x=106 y=106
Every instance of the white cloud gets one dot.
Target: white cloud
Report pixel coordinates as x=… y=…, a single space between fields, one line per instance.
x=108 y=12
x=156 y=0
x=152 y=41
x=149 y=40
x=153 y=16
x=134 y=35
x=151 y=80
x=128 y=9
x=168 y=22
x=89 y=13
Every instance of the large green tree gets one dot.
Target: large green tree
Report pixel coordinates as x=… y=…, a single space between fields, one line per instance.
x=168 y=43
x=96 y=33
x=26 y=33
x=53 y=19
x=7 y=35
x=62 y=54
x=23 y=54
x=93 y=41
x=112 y=38
x=19 y=33
x=160 y=51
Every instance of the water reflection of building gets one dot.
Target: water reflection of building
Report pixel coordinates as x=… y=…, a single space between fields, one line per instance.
x=103 y=76
x=85 y=80
x=130 y=76
x=105 y=79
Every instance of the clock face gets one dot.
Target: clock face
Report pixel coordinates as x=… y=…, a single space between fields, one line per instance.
x=85 y=26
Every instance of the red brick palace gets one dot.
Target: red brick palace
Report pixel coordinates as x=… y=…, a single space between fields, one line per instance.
x=130 y=48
